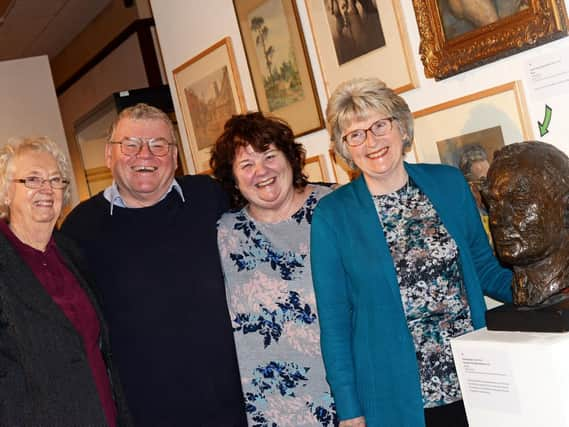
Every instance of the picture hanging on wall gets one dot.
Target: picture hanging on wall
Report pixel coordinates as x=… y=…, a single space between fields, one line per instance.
x=358 y=39
x=209 y=92
x=315 y=169
x=451 y=150
x=490 y=118
x=460 y=35
x=278 y=62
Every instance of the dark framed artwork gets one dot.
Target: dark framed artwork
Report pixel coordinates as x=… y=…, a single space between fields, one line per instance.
x=209 y=92
x=357 y=38
x=460 y=35
x=278 y=62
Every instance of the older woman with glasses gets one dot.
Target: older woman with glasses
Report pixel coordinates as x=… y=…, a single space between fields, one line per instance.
x=400 y=262
x=55 y=367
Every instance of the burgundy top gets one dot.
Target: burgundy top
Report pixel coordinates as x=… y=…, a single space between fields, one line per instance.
x=62 y=285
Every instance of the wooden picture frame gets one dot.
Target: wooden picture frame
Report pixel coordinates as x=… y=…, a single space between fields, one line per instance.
x=315 y=169
x=449 y=46
x=352 y=42
x=209 y=92
x=278 y=62
x=342 y=172
x=502 y=106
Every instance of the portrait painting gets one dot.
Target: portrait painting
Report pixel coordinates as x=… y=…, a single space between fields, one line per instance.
x=461 y=16
x=355 y=27
x=211 y=103
x=458 y=35
x=451 y=149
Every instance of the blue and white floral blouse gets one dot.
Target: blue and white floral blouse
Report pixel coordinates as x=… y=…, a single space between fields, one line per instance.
x=273 y=310
x=432 y=291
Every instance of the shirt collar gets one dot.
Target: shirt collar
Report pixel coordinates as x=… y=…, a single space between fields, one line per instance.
x=114 y=198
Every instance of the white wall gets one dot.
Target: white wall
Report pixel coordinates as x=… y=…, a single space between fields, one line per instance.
x=186 y=27
x=29 y=104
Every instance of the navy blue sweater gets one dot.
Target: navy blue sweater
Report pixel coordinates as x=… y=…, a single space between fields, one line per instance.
x=158 y=274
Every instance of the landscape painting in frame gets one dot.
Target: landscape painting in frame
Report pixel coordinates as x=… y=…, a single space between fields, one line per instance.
x=355 y=27
x=451 y=149
x=278 y=62
x=209 y=93
x=279 y=67
x=211 y=103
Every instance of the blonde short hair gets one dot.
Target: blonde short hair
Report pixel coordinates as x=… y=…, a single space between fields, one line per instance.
x=358 y=99
x=18 y=146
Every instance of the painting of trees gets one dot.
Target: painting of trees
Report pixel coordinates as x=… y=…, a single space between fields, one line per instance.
x=281 y=77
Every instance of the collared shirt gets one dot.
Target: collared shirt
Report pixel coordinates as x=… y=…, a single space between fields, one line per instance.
x=113 y=196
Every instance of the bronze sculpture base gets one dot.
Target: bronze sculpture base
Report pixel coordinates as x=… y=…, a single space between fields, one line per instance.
x=548 y=317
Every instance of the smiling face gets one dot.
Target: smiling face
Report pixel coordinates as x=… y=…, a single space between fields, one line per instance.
x=30 y=208
x=142 y=179
x=380 y=158
x=264 y=179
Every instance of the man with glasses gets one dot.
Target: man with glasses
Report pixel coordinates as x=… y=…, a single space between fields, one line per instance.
x=150 y=240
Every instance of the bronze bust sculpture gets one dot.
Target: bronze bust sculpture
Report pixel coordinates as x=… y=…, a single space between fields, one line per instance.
x=527 y=193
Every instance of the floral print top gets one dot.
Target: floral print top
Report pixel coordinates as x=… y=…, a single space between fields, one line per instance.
x=273 y=310
x=432 y=291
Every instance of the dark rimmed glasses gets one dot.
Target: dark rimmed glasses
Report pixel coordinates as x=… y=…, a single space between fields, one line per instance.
x=132 y=145
x=379 y=128
x=35 y=182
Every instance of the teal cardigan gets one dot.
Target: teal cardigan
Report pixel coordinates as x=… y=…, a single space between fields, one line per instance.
x=367 y=348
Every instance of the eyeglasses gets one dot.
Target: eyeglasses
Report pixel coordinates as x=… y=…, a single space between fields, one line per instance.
x=132 y=145
x=380 y=128
x=35 y=182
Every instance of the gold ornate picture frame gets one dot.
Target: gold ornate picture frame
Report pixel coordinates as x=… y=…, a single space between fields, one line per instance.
x=450 y=45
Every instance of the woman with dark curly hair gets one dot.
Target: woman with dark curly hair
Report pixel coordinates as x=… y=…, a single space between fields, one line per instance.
x=264 y=246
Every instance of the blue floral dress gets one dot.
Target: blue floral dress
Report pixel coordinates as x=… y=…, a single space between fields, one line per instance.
x=432 y=290
x=273 y=310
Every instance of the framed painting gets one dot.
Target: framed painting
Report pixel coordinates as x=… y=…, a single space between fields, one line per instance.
x=455 y=150
x=315 y=169
x=342 y=172
x=459 y=35
x=278 y=62
x=490 y=118
x=357 y=39
x=209 y=92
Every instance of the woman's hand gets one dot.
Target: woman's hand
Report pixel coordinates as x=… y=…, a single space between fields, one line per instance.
x=353 y=422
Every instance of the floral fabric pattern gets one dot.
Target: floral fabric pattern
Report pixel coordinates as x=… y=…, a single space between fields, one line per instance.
x=432 y=291
x=273 y=310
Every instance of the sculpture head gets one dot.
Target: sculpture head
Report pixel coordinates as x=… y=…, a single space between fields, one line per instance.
x=527 y=193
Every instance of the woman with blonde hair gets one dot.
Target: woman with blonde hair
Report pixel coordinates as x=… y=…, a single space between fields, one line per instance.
x=400 y=262
x=55 y=361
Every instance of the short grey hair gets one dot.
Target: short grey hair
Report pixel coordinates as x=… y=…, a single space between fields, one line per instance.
x=142 y=111
x=470 y=154
x=358 y=99
x=18 y=146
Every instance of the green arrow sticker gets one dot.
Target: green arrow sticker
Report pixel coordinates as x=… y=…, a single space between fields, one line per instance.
x=544 y=126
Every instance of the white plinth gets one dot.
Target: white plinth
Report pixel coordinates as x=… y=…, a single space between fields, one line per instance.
x=514 y=379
